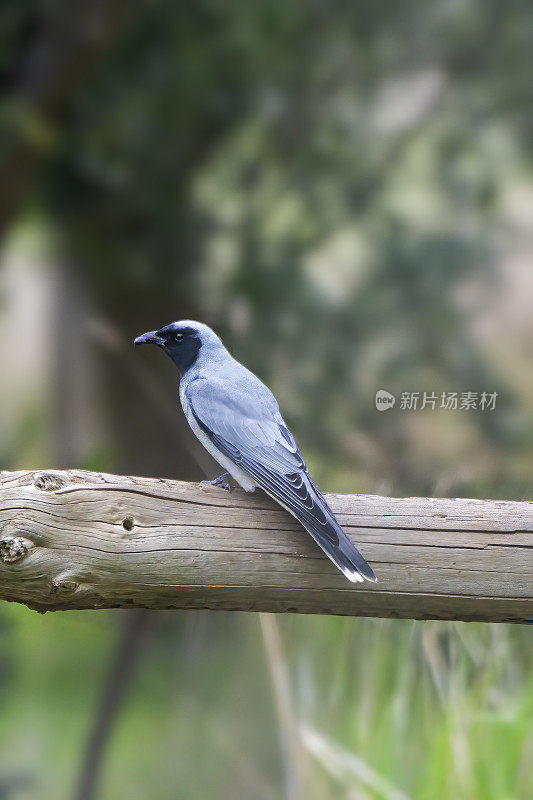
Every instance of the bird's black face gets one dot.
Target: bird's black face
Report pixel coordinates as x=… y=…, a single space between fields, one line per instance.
x=181 y=343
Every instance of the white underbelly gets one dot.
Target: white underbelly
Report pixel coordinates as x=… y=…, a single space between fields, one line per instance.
x=243 y=479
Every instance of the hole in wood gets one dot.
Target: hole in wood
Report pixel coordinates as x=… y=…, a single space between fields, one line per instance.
x=128 y=523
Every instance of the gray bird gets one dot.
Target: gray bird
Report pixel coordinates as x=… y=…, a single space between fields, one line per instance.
x=237 y=419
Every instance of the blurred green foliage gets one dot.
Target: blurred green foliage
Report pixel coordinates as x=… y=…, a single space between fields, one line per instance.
x=344 y=190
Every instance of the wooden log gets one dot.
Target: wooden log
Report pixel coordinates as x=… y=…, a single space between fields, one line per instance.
x=81 y=540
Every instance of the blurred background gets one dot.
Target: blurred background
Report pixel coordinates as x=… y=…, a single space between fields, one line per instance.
x=344 y=190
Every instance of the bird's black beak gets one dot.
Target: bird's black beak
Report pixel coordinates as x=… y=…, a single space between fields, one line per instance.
x=152 y=337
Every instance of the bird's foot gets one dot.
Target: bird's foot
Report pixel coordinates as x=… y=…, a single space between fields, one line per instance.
x=220 y=482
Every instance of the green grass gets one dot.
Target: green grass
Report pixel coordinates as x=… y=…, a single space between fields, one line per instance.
x=439 y=711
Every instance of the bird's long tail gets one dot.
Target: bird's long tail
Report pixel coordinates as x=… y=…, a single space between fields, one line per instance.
x=313 y=512
x=336 y=545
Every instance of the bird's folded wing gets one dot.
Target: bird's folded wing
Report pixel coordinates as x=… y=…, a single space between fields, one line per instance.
x=248 y=428
x=245 y=424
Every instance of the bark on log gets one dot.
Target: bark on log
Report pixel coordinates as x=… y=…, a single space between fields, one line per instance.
x=81 y=540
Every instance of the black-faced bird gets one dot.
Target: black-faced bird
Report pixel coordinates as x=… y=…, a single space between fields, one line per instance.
x=237 y=419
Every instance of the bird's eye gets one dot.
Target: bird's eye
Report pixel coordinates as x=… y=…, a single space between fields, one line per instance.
x=178 y=337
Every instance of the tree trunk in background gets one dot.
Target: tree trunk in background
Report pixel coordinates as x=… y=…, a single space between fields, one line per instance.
x=112 y=701
x=144 y=424
x=75 y=426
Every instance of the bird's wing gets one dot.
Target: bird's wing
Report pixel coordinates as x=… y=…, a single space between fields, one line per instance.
x=247 y=427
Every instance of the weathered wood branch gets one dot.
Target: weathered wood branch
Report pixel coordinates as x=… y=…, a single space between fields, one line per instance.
x=74 y=540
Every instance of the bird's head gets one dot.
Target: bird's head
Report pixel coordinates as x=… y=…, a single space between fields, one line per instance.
x=182 y=341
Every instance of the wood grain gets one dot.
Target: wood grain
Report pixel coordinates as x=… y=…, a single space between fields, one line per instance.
x=82 y=540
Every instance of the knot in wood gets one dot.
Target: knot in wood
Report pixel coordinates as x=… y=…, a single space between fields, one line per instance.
x=48 y=482
x=64 y=585
x=12 y=549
